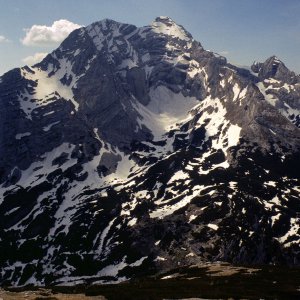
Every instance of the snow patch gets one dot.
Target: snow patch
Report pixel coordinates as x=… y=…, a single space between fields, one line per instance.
x=293 y=232
x=192 y=217
x=21 y=135
x=159 y=258
x=165 y=109
x=48 y=88
x=268 y=97
x=48 y=127
x=180 y=175
x=233 y=135
x=213 y=226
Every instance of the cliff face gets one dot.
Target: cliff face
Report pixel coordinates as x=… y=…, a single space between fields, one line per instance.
x=130 y=150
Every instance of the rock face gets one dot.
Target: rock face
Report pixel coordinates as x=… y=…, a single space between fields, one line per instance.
x=129 y=151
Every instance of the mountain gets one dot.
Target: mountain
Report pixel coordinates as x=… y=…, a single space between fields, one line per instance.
x=131 y=151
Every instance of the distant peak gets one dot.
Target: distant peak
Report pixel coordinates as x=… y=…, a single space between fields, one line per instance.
x=274 y=59
x=273 y=67
x=268 y=63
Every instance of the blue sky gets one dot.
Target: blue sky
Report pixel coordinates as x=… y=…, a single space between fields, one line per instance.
x=241 y=30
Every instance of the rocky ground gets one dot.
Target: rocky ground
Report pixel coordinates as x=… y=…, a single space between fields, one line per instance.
x=207 y=281
x=44 y=294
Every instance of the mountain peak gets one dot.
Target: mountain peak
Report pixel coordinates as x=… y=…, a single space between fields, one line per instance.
x=166 y=26
x=164 y=19
x=274 y=68
x=274 y=60
x=104 y=24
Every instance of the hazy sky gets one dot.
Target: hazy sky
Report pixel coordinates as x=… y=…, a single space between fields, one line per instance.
x=241 y=30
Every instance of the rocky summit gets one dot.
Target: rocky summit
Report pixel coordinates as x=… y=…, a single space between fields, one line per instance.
x=131 y=151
